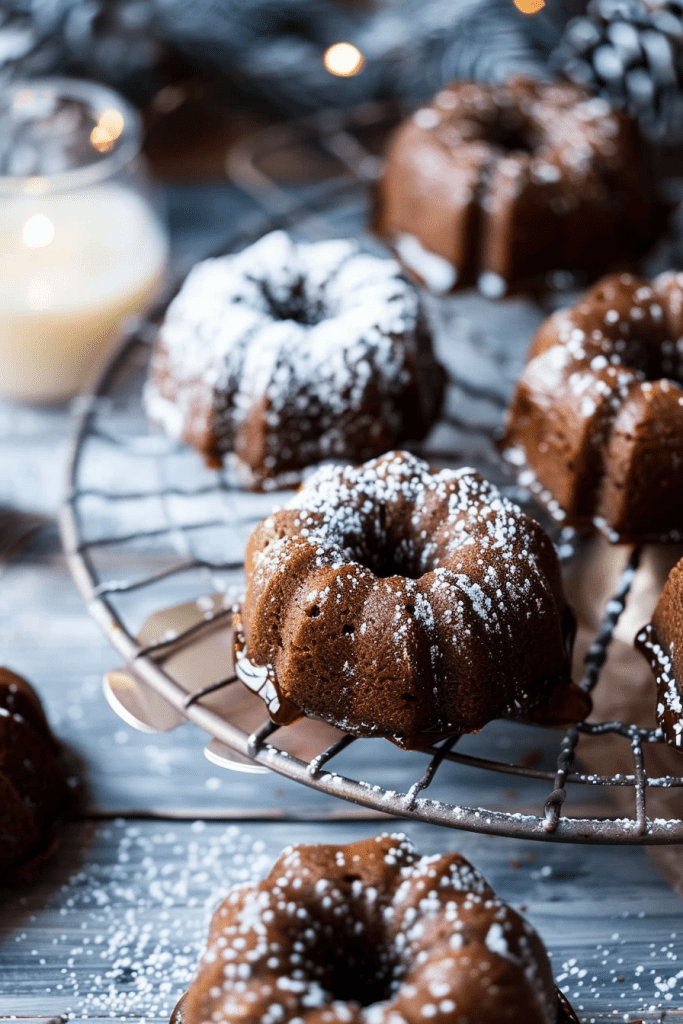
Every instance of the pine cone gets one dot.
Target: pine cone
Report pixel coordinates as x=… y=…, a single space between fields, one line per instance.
x=109 y=40
x=630 y=52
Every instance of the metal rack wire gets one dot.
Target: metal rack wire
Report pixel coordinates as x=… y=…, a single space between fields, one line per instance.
x=188 y=512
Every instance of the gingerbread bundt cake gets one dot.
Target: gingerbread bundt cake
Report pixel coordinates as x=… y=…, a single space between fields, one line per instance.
x=596 y=422
x=371 y=933
x=661 y=642
x=499 y=183
x=287 y=354
x=399 y=601
x=32 y=784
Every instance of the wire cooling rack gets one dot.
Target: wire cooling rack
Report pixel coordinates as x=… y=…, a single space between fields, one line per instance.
x=155 y=543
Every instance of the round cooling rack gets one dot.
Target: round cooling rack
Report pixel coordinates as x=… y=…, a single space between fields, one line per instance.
x=155 y=542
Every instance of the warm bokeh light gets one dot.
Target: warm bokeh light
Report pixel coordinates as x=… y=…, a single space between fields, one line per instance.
x=343 y=59
x=111 y=120
x=38 y=231
x=101 y=140
x=529 y=6
x=107 y=130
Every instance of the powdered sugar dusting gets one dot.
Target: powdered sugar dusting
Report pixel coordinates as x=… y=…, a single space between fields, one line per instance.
x=350 y=933
x=600 y=393
x=353 y=517
x=411 y=584
x=542 y=155
x=669 y=707
x=300 y=332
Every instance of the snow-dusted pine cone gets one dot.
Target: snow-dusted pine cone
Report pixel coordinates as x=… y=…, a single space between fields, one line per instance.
x=631 y=52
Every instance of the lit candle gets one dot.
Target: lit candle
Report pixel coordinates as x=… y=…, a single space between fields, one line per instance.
x=75 y=262
x=72 y=268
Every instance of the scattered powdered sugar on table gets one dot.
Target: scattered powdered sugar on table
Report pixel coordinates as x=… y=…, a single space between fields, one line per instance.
x=142 y=919
x=602 y=975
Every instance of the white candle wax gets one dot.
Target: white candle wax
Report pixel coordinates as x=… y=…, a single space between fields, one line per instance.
x=73 y=266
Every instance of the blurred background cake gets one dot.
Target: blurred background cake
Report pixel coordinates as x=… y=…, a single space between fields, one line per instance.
x=33 y=787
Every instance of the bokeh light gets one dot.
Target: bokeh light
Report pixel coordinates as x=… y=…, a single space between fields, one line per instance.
x=529 y=6
x=38 y=231
x=343 y=59
x=107 y=130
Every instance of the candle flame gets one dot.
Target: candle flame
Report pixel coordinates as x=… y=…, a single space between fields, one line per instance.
x=38 y=231
x=529 y=6
x=107 y=130
x=343 y=59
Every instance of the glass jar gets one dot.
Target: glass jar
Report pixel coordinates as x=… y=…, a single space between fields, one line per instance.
x=82 y=247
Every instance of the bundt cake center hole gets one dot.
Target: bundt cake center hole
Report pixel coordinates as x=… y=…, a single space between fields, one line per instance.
x=384 y=564
x=352 y=970
x=393 y=556
x=510 y=134
x=295 y=305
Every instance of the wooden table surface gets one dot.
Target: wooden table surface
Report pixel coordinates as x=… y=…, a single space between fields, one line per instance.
x=113 y=926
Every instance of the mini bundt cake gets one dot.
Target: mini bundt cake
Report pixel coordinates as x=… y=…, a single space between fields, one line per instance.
x=596 y=421
x=661 y=642
x=33 y=788
x=287 y=354
x=399 y=601
x=371 y=933
x=494 y=184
